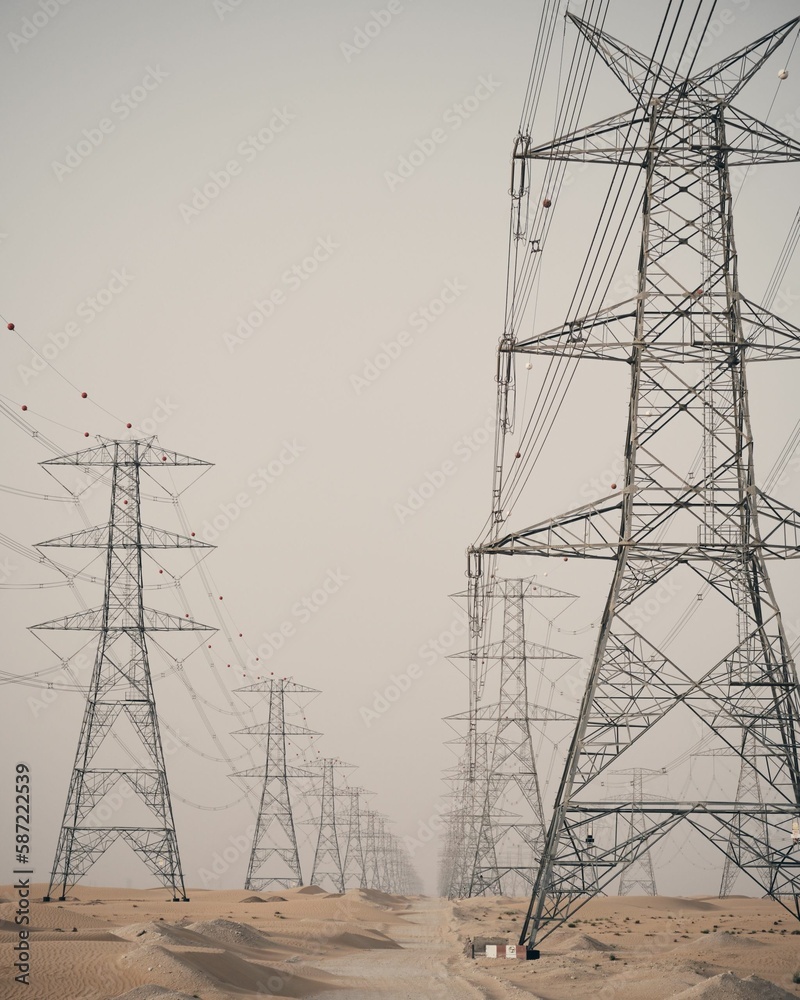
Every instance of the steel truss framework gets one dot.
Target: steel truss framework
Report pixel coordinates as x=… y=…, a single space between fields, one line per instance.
x=121 y=690
x=274 y=858
x=469 y=779
x=502 y=846
x=639 y=877
x=353 y=861
x=687 y=336
x=329 y=855
x=374 y=841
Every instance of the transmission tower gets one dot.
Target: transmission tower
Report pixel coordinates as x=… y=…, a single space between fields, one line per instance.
x=120 y=705
x=274 y=858
x=468 y=818
x=638 y=877
x=748 y=788
x=372 y=839
x=686 y=336
x=510 y=782
x=328 y=863
x=353 y=865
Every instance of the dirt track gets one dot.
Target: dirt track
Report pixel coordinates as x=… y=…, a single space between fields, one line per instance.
x=430 y=964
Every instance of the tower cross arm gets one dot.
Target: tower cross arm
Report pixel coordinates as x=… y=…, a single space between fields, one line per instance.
x=130 y=452
x=643 y=76
x=286 y=684
x=532 y=713
x=619 y=139
x=587 y=532
x=768 y=337
x=262 y=772
x=608 y=334
x=528 y=650
x=638 y=73
x=603 y=335
x=125 y=620
x=728 y=77
x=266 y=729
x=623 y=140
x=146 y=537
x=750 y=141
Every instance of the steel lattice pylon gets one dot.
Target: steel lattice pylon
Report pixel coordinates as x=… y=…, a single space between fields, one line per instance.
x=121 y=689
x=747 y=789
x=464 y=822
x=687 y=335
x=353 y=863
x=505 y=845
x=327 y=856
x=274 y=859
x=639 y=877
x=373 y=841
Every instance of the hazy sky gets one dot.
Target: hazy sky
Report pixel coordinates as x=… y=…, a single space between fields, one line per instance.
x=214 y=225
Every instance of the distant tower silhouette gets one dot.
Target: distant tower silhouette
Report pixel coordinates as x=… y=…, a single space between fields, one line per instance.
x=505 y=826
x=638 y=878
x=353 y=860
x=372 y=839
x=274 y=859
x=327 y=857
x=121 y=693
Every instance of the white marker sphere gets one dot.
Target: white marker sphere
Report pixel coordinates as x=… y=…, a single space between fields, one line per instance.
x=783 y=74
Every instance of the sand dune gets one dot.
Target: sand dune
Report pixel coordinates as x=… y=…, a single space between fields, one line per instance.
x=649 y=948
x=153 y=992
x=371 y=939
x=583 y=942
x=730 y=987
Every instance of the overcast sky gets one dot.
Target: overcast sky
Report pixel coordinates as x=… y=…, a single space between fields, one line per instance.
x=274 y=234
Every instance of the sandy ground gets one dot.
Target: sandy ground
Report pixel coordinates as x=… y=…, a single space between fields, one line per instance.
x=111 y=943
x=648 y=948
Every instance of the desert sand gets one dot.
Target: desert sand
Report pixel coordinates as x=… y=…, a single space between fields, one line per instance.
x=137 y=945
